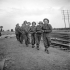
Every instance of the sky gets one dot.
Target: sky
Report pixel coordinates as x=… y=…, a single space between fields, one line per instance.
x=16 y=11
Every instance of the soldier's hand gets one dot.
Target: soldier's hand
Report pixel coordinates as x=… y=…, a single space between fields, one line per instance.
x=46 y=30
x=42 y=31
x=31 y=32
x=36 y=32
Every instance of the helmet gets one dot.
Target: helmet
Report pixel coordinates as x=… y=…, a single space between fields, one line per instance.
x=33 y=23
x=46 y=19
x=40 y=22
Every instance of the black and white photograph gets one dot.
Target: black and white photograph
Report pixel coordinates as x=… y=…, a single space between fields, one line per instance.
x=34 y=34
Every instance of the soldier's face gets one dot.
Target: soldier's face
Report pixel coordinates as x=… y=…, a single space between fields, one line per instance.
x=17 y=25
x=40 y=24
x=25 y=22
x=45 y=21
x=33 y=24
x=29 y=24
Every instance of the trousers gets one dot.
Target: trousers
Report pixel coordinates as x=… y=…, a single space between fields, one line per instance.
x=21 y=38
x=33 y=38
x=38 y=39
x=46 y=40
x=26 y=38
x=0 y=33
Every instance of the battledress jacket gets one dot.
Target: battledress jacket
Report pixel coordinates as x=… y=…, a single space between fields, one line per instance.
x=33 y=29
x=38 y=29
x=17 y=30
x=47 y=28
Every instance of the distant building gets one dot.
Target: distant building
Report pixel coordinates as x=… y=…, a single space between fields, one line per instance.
x=12 y=30
x=1 y=28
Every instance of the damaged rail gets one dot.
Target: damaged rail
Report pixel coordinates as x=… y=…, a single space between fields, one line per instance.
x=61 y=39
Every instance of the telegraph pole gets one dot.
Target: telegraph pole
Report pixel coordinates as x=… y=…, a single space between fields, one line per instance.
x=68 y=18
x=64 y=18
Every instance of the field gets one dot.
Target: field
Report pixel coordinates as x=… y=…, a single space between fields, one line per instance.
x=16 y=56
x=7 y=33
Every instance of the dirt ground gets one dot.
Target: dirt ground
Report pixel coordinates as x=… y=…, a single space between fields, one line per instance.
x=21 y=57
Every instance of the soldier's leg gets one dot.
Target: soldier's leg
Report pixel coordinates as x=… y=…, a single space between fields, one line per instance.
x=26 y=41
x=48 y=41
x=39 y=38
x=0 y=33
x=32 y=40
x=44 y=39
x=46 y=46
x=37 y=44
x=45 y=43
x=21 y=38
x=17 y=36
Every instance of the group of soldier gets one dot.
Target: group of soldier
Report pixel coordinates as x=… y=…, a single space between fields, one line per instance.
x=34 y=33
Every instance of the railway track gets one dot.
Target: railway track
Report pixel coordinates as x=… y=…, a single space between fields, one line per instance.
x=61 y=39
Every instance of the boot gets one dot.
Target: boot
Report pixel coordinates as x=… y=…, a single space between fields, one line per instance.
x=33 y=46
x=26 y=45
x=37 y=47
x=46 y=50
x=21 y=42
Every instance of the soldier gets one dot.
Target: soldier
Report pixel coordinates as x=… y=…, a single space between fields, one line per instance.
x=47 y=29
x=23 y=33
x=38 y=34
x=29 y=32
x=26 y=29
x=17 y=32
x=32 y=31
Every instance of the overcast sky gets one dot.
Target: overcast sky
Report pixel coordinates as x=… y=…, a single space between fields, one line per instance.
x=16 y=11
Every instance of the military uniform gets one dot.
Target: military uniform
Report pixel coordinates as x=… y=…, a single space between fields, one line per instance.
x=18 y=32
x=38 y=35
x=29 y=32
x=47 y=28
x=27 y=29
x=23 y=34
x=32 y=31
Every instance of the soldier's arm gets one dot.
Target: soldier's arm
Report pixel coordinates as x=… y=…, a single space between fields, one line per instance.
x=19 y=30
x=22 y=30
x=40 y=30
x=36 y=29
x=30 y=30
x=48 y=30
x=43 y=29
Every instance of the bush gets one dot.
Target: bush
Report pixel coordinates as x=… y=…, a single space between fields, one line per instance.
x=12 y=30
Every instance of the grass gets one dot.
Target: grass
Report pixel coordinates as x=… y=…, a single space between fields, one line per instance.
x=7 y=33
x=2 y=49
